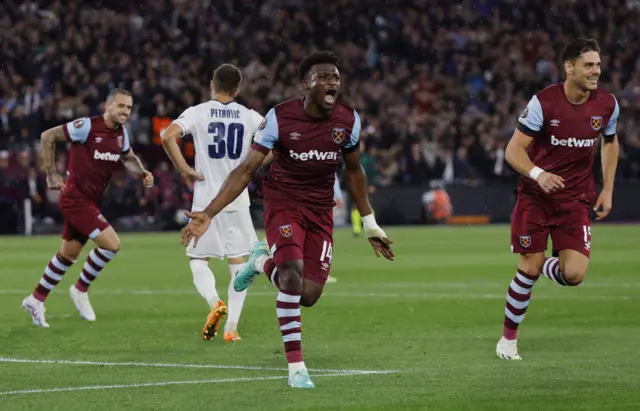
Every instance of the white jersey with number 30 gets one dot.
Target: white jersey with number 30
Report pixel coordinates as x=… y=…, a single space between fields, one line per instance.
x=222 y=135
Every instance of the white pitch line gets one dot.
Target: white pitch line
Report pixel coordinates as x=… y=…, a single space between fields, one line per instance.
x=348 y=294
x=166 y=383
x=177 y=365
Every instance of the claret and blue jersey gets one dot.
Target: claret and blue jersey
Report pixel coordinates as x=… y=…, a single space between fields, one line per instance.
x=565 y=136
x=307 y=152
x=94 y=156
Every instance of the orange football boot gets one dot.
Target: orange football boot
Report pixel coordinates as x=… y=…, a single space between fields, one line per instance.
x=231 y=336
x=214 y=318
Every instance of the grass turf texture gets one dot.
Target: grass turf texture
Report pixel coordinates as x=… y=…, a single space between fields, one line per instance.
x=433 y=316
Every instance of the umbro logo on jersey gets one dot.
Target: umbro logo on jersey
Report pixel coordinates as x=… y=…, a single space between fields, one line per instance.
x=554 y=123
x=294 y=135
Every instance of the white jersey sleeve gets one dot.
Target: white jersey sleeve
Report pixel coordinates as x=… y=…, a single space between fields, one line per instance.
x=222 y=135
x=187 y=120
x=257 y=120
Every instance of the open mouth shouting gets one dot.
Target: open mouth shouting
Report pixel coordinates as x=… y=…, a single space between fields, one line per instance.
x=330 y=97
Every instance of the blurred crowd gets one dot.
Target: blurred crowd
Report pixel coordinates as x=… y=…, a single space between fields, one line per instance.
x=439 y=84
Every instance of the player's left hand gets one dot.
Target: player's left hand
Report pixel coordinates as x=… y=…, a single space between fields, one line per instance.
x=196 y=228
x=380 y=243
x=605 y=201
x=147 y=178
x=339 y=202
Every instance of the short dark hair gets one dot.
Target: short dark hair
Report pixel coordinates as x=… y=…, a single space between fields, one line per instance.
x=316 y=57
x=227 y=78
x=115 y=91
x=577 y=47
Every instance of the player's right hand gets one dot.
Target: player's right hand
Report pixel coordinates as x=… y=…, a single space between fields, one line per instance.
x=55 y=182
x=193 y=175
x=550 y=183
x=198 y=225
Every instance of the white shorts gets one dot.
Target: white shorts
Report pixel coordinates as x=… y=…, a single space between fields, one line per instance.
x=231 y=235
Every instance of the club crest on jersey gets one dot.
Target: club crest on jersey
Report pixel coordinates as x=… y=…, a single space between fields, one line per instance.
x=120 y=141
x=596 y=122
x=286 y=230
x=525 y=241
x=101 y=218
x=338 y=135
x=78 y=123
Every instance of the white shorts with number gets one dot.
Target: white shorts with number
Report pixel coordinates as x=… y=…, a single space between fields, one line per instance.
x=230 y=234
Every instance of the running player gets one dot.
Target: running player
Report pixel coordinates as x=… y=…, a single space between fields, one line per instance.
x=554 y=148
x=99 y=147
x=308 y=137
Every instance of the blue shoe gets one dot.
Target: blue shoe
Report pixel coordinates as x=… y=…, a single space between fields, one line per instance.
x=248 y=273
x=300 y=379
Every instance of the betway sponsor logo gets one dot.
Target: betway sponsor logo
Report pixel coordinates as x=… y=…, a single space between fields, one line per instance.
x=314 y=155
x=105 y=156
x=573 y=142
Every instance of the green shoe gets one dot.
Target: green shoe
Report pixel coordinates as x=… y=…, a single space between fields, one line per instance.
x=248 y=273
x=300 y=379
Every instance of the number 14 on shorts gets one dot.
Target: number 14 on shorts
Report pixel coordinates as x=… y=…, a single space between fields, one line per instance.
x=327 y=254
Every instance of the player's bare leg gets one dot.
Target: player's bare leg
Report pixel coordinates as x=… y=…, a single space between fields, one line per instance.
x=108 y=244
x=57 y=267
x=235 y=300
x=205 y=283
x=518 y=297
x=311 y=292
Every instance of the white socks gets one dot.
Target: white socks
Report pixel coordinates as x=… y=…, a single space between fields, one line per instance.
x=204 y=281
x=235 y=300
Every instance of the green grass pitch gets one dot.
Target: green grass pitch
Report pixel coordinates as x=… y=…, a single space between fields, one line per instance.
x=431 y=319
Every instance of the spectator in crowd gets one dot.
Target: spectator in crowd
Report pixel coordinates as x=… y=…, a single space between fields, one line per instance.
x=439 y=84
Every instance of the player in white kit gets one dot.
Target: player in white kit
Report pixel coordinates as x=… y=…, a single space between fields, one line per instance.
x=222 y=132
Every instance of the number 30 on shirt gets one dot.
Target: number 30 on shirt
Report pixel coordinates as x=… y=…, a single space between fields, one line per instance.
x=227 y=140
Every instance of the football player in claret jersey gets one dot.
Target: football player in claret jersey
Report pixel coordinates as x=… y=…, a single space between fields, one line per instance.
x=554 y=148
x=99 y=147
x=308 y=137
x=222 y=131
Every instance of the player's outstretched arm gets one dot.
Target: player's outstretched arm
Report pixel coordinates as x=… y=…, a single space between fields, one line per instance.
x=357 y=187
x=170 y=143
x=516 y=155
x=134 y=166
x=48 y=141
